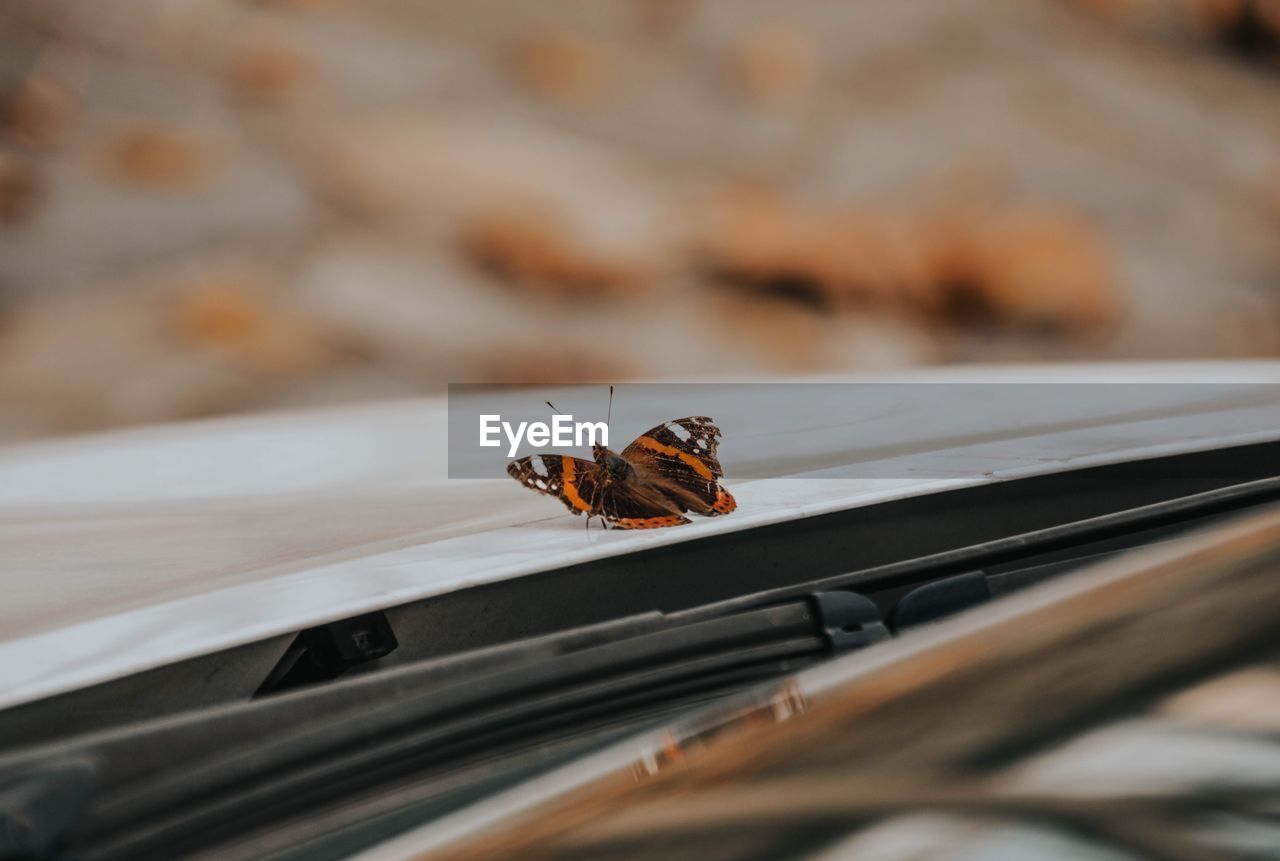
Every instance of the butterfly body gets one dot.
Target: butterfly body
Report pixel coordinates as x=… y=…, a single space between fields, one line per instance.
x=615 y=465
x=668 y=471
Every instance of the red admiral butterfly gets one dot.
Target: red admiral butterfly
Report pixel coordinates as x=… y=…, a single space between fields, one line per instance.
x=667 y=471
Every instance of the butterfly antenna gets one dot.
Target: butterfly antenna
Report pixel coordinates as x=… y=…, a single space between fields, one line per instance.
x=553 y=406
x=609 y=414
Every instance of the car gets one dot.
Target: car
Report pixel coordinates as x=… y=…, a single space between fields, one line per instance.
x=326 y=635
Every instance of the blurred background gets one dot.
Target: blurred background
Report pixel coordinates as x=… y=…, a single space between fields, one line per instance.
x=216 y=206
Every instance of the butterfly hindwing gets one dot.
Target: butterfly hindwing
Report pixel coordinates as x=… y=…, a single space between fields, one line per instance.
x=680 y=456
x=581 y=486
x=641 y=505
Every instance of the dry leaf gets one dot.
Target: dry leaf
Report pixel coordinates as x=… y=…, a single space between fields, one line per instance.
x=1046 y=268
x=36 y=114
x=533 y=249
x=1023 y=268
x=232 y=317
x=560 y=67
x=268 y=71
x=833 y=258
x=158 y=158
x=302 y=5
x=542 y=366
x=663 y=17
x=21 y=189
x=774 y=63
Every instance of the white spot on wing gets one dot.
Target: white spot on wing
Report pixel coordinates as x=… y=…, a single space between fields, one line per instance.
x=680 y=432
x=538 y=466
x=702 y=442
x=542 y=485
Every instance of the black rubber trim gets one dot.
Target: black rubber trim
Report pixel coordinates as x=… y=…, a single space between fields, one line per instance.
x=812 y=550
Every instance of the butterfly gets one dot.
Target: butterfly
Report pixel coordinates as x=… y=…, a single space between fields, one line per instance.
x=666 y=472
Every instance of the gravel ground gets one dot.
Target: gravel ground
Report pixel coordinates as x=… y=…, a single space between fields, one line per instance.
x=212 y=207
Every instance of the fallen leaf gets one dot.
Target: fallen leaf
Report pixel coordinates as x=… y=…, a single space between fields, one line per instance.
x=21 y=189
x=1046 y=268
x=774 y=63
x=36 y=115
x=268 y=71
x=560 y=67
x=533 y=249
x=231 y=316
x=158 y=158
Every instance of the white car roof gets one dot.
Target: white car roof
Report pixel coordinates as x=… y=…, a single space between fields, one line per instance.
x=132 y=549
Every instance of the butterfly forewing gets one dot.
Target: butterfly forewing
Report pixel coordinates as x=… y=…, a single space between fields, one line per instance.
x=575 y=482
x=692 y=441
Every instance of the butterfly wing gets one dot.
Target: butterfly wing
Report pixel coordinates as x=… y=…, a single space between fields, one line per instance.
x=582 y=486
x=576 y=482
x=640 y=505
x=680 y=457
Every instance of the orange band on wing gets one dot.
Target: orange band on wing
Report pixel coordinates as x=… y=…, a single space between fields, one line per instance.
x=651 y=522
x=570 y=489
x=724 y=503
x=698 y=466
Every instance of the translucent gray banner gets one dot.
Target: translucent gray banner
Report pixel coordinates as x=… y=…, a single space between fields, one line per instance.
x=866 y=430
